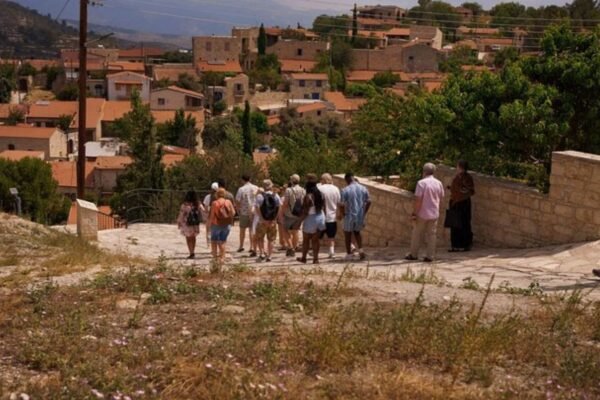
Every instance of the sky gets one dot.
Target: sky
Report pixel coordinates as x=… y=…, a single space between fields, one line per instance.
x=204 y=17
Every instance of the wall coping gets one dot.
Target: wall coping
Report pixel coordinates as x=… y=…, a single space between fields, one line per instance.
x=506 y=183
x=580 y=156
x=380 y=186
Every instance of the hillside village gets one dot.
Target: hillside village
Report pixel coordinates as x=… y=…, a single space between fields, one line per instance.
x=224 y=73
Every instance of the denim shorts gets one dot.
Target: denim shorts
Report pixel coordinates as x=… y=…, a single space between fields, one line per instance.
x=219 y=234
x=314 y=223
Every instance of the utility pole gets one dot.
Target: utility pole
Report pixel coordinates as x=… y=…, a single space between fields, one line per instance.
x=81 y=133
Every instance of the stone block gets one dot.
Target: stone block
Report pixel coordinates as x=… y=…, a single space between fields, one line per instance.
x=564 y=211
x=584 y=215
x=529 y=227
x=546 y=206
x=87 y=220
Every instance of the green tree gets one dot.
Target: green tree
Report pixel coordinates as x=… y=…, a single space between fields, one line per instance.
x=16 y=115
x=70 y=92
x=506 y=56
x=138 y=130
x=187 y=81
x=41 y=200
x=26 y=69
x=475 y=8
x=177 y=57
x=247 y=130
x=180 y=131
x=436 y=13
x=584 y=12
x=5 y=90
x=328 y=26
x=504 y=14
x=354 y=23
x=52 y=73
x=262 y=40
x=366 y=90
x=385 y=79
x=304 y=152
x=266 y=71
x=220 y=130
x=64 y=122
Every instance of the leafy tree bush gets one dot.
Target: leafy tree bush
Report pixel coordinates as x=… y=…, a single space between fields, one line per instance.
x=69 y=92
x=26 y=69
x=179 y=131
x=222 y=129
x=41 y=200
x=16 y=115
x=6 y=88
x=385 y=79
x=186 y=81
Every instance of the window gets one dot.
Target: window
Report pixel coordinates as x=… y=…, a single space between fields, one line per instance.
x=318 y=113
x=299 y=52
x=239 y=87
x=227 y=46
x=302 y=83
x=11 y=146
x=411 y=58
x=208 y=46
x=316 y=96
x=319 y=83
x=161 y=101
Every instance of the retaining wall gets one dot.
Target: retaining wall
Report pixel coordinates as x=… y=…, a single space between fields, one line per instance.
x=505 y=213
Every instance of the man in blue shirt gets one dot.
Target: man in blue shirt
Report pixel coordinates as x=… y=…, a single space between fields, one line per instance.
x=354 y=207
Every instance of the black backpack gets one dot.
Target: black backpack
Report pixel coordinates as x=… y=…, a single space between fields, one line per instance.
x=193 y=218
x=298 y=206
x=269 y=208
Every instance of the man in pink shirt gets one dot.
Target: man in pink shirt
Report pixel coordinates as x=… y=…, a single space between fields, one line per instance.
x=428 y=195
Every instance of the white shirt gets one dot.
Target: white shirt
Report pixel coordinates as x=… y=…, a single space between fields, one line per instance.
x=331 y=197
x=246 y=197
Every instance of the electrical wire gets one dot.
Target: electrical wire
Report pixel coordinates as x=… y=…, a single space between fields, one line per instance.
x=62 y=10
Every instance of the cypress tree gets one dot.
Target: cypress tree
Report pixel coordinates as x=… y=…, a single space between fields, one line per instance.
x=247 y=130
x=262 y=40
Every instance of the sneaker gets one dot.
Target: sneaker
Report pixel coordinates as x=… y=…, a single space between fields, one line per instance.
x=260 y=259
x=241 y=249
x=331 y=255
x=252 y=253
x=410 y=257
x=268 y=259
x=596 y=272
x=290 y=253
x=428 y=260
x=362 y=256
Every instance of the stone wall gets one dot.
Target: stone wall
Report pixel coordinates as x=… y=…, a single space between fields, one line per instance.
x=505 y=213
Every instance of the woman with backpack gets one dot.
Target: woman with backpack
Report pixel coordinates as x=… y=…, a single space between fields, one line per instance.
x=189 y=220
x=222 y=212
x=313 y=220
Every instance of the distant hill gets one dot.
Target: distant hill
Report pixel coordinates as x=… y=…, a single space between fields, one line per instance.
x=25 y=33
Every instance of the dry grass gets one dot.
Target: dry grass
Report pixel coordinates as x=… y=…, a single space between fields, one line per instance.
x=38 y=252
x=287 y=339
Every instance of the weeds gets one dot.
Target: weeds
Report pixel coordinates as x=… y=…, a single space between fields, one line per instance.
x=424 y=277
x=534 y=289
x=470 y=284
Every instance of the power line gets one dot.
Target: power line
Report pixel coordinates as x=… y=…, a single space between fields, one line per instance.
x=62 y=10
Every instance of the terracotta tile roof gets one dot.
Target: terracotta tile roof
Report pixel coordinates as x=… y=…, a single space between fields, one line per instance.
x=65 y=173
x=16 y=155
x=311 y=107
x=476 y=68
x=496 y=41
x=172 y=73
x=296 y=65
x=56 y=109
x=273 y=120
x=162 y=116
x=126 y=66
x=38 y=64
x=309 y=77
x=273 y=31
x=6 y=108
x=343 y=103
x=169 y=160
x=128 y=77
x=141 y=52
x=398 y=32
x=409 y=77
x=114 y=110
x=477 y=31
x=430 y=86
x=367 y=33
x=360 y=75
x=113 y=162
x=29 y=132
x=225 y=66
x=181 y=90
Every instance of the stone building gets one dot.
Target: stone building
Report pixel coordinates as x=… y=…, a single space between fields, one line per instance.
x=120 y=86
x=382 y=12
x=51 y=141
x=411 y=57
x=175 y=98
x=248 y=38
x=298 y=49
x=308 y=86
x=216 y=48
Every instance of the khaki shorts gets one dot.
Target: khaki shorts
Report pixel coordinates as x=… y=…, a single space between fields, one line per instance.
x=268 y=230
x=290 y=223
x=245 y=221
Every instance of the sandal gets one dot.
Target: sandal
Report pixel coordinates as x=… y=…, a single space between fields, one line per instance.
x=301 y=260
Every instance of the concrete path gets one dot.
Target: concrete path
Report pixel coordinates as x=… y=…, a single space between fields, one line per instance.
x=555 y=270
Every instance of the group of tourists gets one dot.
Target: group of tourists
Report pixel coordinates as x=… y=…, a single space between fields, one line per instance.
x=269 y=212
